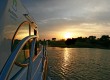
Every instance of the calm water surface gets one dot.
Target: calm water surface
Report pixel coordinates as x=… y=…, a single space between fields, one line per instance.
x=78 y=63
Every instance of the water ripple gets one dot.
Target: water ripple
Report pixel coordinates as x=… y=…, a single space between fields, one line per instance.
x=79 y=64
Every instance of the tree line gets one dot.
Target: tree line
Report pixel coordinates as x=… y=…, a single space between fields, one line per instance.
x=91 y=41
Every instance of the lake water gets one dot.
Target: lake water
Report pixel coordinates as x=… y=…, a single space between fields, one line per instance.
x=78 y=63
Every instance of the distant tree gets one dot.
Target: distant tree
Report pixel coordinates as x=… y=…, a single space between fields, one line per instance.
x=85 y=39
x=80 y=39
x=53 y=39
x=92 y=37
x=74 y=40
x=104 y=41
x=70 y=41
x=104 y=38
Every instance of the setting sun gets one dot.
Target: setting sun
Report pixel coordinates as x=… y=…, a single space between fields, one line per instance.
x=67 y=35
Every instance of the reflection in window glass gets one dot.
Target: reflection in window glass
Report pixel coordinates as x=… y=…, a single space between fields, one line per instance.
x=22 y=32
x=32 y=28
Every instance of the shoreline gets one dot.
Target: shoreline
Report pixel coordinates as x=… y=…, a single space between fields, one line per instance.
x=80 y=47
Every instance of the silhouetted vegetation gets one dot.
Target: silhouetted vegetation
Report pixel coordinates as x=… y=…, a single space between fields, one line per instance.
x=83 y=42
x=70 y=41
x=80 y=42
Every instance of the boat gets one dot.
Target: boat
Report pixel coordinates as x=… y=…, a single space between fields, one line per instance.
x=21 y=56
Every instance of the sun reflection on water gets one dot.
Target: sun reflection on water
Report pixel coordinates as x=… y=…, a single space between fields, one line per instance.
x=66 y=62
x=66 y=55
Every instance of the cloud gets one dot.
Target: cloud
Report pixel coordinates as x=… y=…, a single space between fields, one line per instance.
x=86 y=9
x=55 y=15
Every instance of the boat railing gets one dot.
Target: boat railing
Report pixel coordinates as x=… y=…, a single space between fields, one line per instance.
x=33 y=69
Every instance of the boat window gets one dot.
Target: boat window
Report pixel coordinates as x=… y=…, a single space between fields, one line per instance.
x=21 y=32
x=25 y=29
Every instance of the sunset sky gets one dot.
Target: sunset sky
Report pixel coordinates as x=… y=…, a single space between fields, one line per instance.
x=55 y=18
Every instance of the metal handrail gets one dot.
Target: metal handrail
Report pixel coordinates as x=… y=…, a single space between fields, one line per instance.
x=31 y=59
x=10 y=62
